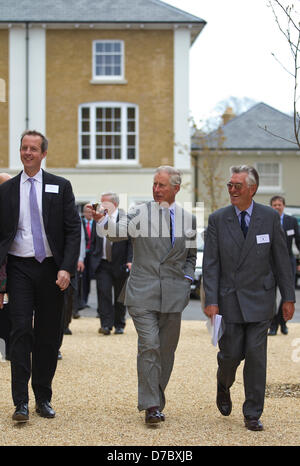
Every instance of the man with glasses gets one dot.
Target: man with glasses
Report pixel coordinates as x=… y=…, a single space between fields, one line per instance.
x=244 y=245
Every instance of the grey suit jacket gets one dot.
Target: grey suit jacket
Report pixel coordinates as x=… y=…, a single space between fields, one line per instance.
x=240 y=275
x=157 y=277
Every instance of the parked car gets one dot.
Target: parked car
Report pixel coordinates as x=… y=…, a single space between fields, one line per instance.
x=195 y=287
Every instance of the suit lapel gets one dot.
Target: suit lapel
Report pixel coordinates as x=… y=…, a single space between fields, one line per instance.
x=46 y=199
x=234 y=228
x=15 y=198
x=254 y=227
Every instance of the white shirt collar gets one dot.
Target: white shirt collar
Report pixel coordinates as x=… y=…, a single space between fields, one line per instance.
x=38 y=176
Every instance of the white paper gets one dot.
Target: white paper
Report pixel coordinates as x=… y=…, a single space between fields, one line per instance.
x=260 y=239
x=215 y=328
x=51 y=188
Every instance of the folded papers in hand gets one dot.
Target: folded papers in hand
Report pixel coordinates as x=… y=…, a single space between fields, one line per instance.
x=215 y=326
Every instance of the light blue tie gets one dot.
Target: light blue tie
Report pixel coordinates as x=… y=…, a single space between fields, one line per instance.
x=172 y=227
x=36 y=227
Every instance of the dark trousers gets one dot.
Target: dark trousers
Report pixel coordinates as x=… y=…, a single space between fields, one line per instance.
x=35 y=305
x=246 y=341
x=86 y=280
x=112 y=313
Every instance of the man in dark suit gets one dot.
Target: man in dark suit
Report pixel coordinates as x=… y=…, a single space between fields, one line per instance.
x=244 y=247
x=111 y=263
x=291 y=229
x=40 y=238
x=87 y=222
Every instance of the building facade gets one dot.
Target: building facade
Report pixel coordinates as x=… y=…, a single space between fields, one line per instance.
x=107 y=82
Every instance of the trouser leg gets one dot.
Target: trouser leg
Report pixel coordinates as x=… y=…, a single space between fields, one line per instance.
x=158 y=336
x=255 y=368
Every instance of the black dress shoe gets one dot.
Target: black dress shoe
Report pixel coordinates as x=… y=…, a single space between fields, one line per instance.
x=224 y=403
x=44 y=409
x=252 y=423
x=284 y=329
x=21 y=413
x=153 y=416
x=104 y=330
x=119 y=331
x=272 y=332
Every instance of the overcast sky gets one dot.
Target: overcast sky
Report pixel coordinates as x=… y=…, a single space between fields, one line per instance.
x=233 y=55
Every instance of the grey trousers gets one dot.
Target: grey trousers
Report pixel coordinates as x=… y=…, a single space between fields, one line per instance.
x=158 y=335
x=246 y=341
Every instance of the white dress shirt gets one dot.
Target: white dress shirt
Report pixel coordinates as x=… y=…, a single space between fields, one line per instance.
x=22 y=244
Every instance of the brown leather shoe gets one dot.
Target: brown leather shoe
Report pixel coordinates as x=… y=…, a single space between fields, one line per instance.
x=153 y=415
x=224 y=403
x=253 y=423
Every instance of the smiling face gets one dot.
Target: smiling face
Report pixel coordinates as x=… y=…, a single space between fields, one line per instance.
x=31 y=154
x=240 y=192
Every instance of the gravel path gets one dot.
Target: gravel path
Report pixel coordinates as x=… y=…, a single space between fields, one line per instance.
x=95 y=395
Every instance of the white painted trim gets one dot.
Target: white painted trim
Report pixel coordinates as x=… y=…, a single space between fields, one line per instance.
x=37 y=79
x=17 y=87
x=182 y=40
x=17 y=93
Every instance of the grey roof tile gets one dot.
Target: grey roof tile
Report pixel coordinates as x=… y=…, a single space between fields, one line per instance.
x=247 y=131
x=93 y=11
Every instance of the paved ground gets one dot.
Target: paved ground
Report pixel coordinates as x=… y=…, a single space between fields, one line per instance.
x=192 y=312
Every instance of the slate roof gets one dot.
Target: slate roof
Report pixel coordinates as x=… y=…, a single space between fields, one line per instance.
x=145 y=11
x=246 y=131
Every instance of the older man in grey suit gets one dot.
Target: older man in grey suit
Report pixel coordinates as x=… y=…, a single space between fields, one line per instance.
x=244 y=247
x=158 y=288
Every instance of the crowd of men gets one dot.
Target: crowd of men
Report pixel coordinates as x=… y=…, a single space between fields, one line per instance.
x=143 y=261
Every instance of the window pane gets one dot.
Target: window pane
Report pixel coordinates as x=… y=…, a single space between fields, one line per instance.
x=131 y=112
x=117 y=153
x=99 y=46
x=108 y=47
x=85 y=154
x=108 y=154
x=117 y=47
x=131 y=153
x=108 y=126
x=99 y=153
x=85 y=140
x=131 y=140
x=131 y=126
x=117 y=112
x=99 y=112
x=85 y=112
x=85 y=127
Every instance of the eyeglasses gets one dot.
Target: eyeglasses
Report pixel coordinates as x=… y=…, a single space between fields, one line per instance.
x=237 y=186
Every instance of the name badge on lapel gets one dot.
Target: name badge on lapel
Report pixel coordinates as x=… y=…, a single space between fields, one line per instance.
x=261 y=239
x=290 y=232
x=51 y=188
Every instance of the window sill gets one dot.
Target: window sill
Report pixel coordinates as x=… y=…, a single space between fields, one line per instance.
x=109 y=81
x=107 y=164
x=269 y=189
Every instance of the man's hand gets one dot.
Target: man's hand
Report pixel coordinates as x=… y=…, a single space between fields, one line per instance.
x=211 y=310
x=63 y=279
x=80 y=266
x=96 y=215
x=288 y=309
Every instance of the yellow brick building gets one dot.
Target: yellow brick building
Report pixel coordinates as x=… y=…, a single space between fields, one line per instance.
x=108 y=83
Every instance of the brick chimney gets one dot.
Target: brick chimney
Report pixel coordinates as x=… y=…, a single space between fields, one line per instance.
x=227 y=115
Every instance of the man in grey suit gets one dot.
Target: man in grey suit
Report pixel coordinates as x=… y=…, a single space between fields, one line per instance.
x=163 y=238
x=244 y=247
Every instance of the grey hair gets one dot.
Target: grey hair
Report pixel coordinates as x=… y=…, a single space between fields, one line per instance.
x=175 y=175
x=114 y=197
x=252 y=178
